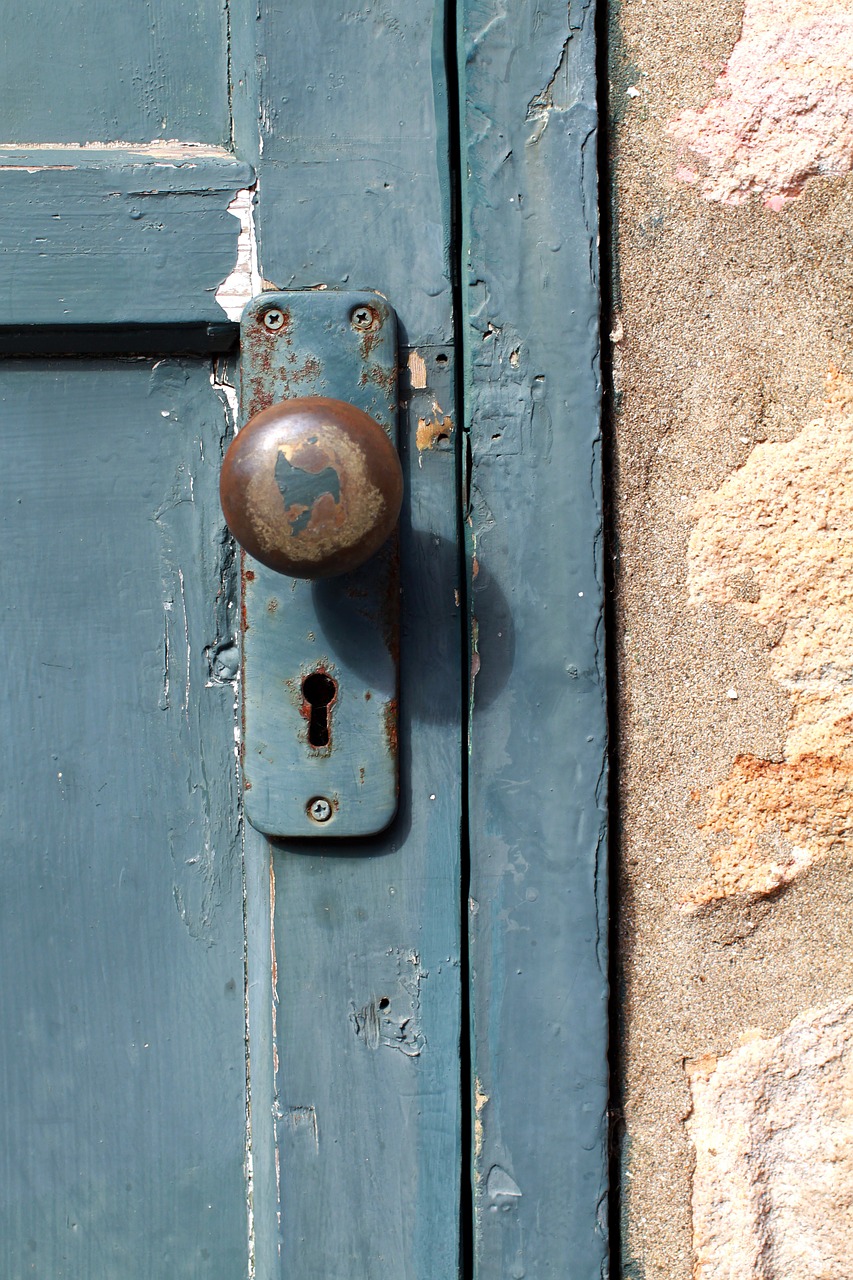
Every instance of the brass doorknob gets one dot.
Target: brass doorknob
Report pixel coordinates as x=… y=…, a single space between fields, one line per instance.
x=311 y=487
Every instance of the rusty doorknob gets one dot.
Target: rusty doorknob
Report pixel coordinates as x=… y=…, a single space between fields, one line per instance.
x=311 y=487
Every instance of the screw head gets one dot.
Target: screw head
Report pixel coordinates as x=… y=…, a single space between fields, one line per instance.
x=273 y=319
x=363 y=319
x=319 y=809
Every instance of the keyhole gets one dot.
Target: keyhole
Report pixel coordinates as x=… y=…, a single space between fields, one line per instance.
x=319 y=691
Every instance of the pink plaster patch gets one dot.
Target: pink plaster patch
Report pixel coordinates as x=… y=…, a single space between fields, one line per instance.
x=784 y=111
x=776 y=203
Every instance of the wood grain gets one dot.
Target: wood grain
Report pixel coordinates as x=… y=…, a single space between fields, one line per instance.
x=121 y=933
x=116 y=241
x=537 y=774
x=354 y=182
x=100 y=72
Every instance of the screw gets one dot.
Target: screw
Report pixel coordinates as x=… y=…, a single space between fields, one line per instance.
x=274 y=319
x=319 y=809
x=363 y=319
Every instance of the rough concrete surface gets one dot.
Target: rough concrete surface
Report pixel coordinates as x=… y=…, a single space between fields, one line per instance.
x=732 y=540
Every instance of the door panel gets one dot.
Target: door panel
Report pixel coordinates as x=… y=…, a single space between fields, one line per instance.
x=117 y=168
x=354 y=172
x=122 y=941
x=100 y=72
x=367 y=956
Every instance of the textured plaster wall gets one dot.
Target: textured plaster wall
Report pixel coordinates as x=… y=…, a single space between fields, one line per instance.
x=732 y=516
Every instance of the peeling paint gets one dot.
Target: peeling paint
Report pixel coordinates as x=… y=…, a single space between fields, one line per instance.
x=481 y=1099
x=392 y=1018
x=224 y=387
x=502 y=1191
x=417 y=371
x=170 y=151
x=775 y=542
x=244 y=282
x=555 y=96
x=194 y=667
x=784 y=108
x=433 y=430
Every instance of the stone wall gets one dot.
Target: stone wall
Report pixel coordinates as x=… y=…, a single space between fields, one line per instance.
x=731 y=490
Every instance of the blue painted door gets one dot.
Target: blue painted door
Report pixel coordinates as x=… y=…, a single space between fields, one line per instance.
x=225 y=1056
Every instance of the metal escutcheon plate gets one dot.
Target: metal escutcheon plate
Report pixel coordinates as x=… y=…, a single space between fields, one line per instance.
x=320 y=658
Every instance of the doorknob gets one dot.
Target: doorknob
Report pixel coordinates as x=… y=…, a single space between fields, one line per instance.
x=311 y=487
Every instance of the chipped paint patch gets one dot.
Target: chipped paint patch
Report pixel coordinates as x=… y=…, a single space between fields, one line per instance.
x=391 y=1018
x=169 y=151
x=502 y=1190
x=775 y=542
x=772 y=1127
x=433 y=430
x=303 y=1120
x=223 y=385
x=481 y=1099
x=417 y=371
x=784 y=110
x=559 y=94
x=244 y=282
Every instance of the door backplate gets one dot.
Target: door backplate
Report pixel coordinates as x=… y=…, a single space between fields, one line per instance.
x=320 y=657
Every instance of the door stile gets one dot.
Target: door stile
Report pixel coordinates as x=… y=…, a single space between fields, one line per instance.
x=354 y=949
x=537 y=774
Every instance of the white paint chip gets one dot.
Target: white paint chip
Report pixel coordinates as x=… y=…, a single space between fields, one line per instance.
x=244 y=282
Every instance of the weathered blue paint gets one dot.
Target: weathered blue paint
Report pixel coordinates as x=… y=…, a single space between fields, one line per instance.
x=97 y=72
x=121 y=903
x=116 y=240
x=367 y=956
x=353 y=184
x=121 y=935
x=354 y=170
x=347 y=627
x=537 y=773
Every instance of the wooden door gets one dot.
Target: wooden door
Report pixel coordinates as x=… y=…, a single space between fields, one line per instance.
x=188 y=1086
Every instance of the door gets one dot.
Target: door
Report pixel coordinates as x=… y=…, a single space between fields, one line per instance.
x=226 y=1056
